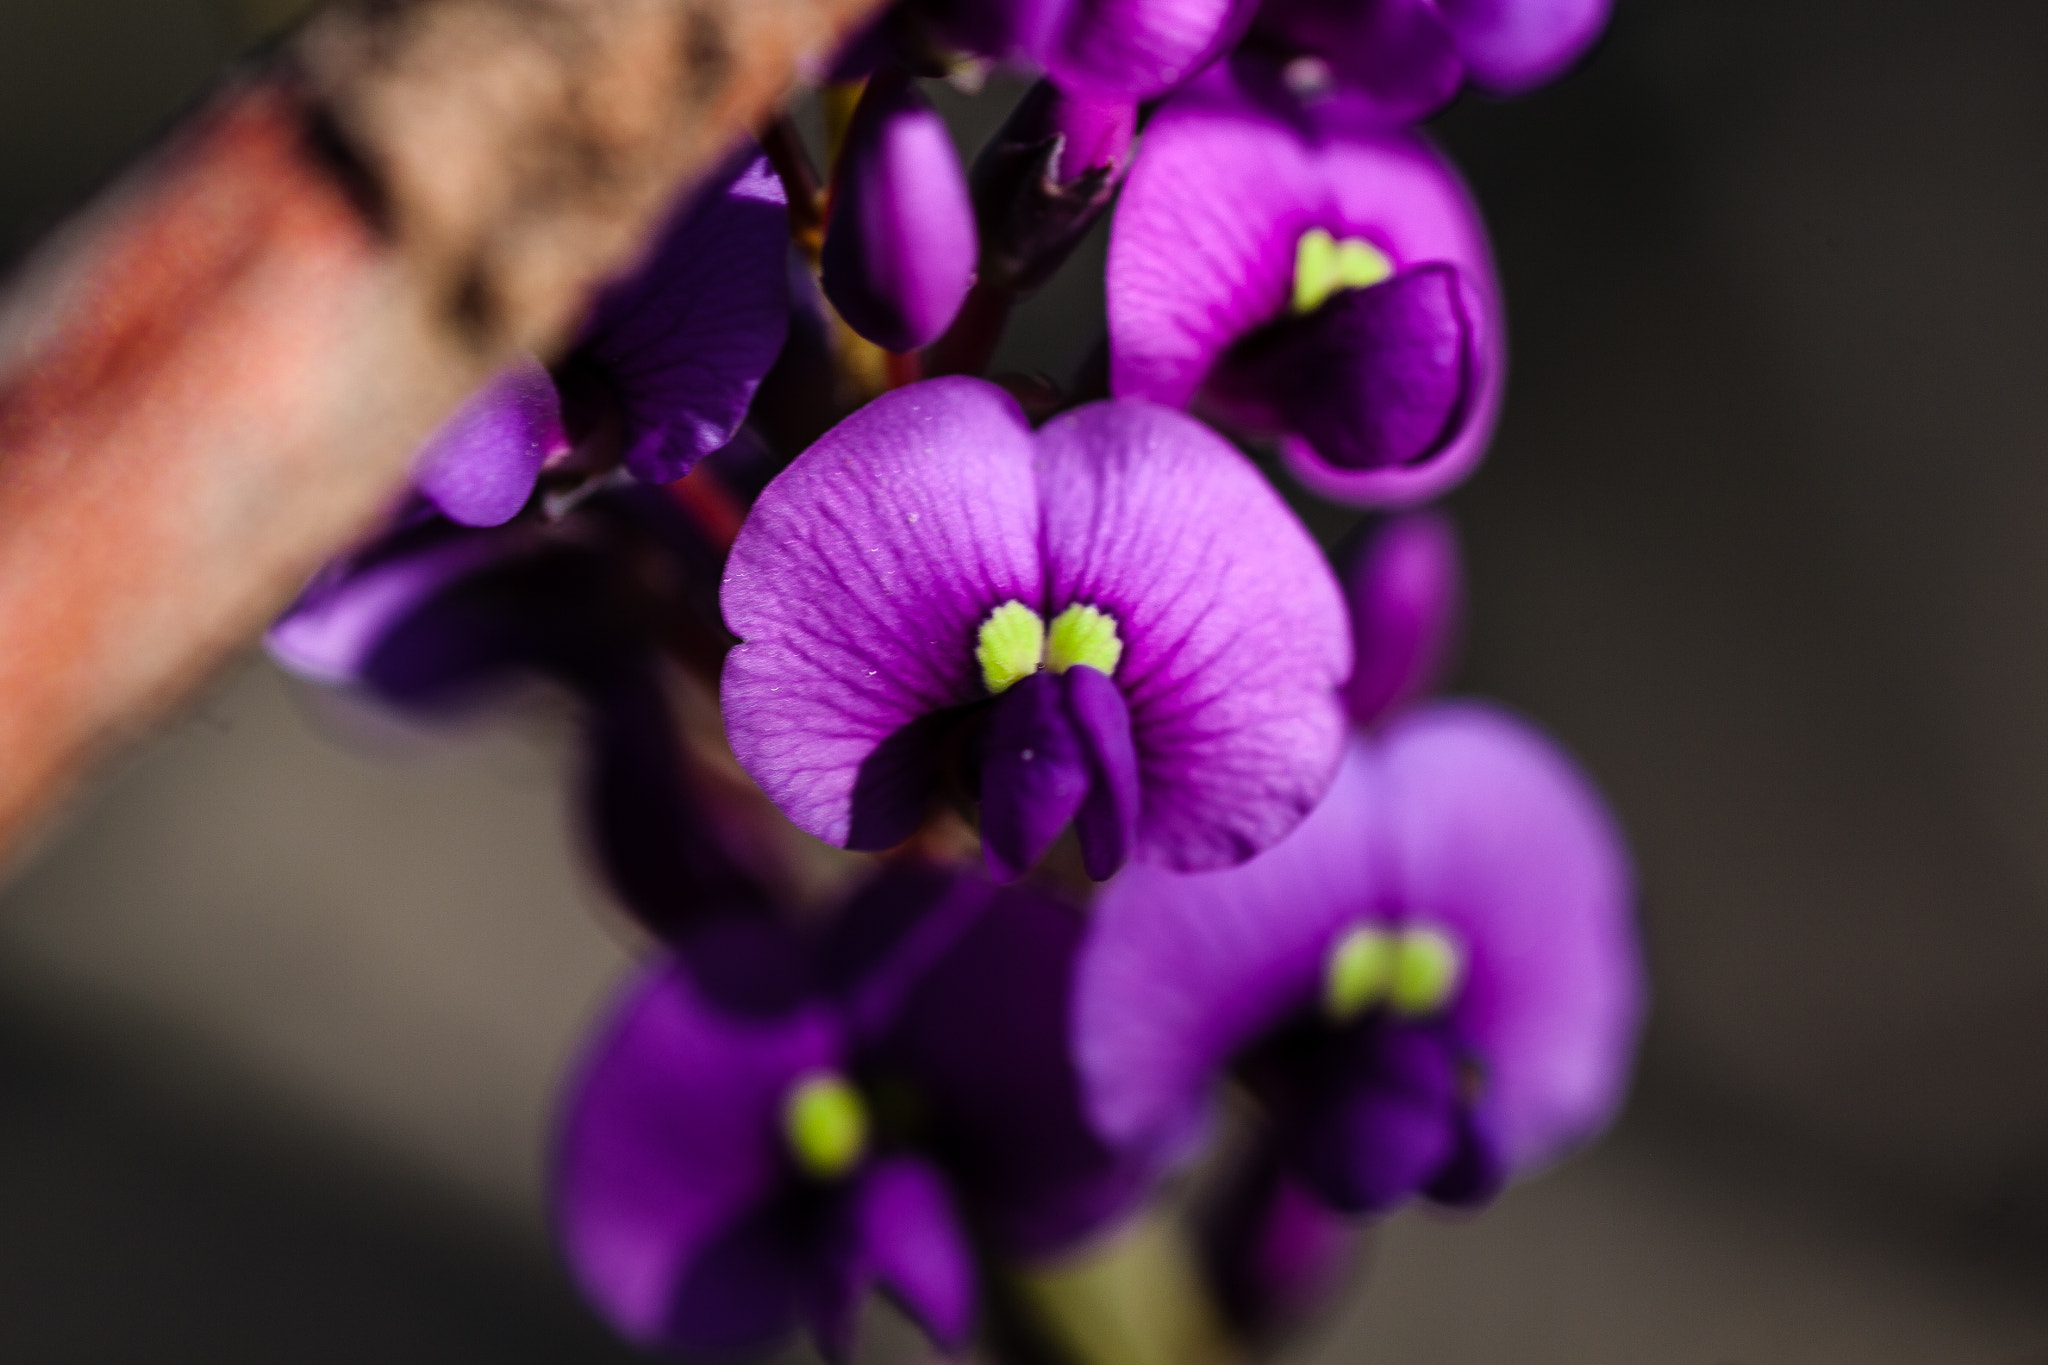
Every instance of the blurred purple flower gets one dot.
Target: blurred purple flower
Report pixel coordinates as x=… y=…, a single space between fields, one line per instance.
x=1432 y=985
x=900 y=244
x=1096 y=50
x=1404 y=59
x=1297 y=271
x=764 y=1132
x=662 y=371
x=1113 y=620
x=1405 y=590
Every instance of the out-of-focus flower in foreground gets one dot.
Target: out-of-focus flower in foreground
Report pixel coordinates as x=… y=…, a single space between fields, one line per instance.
x=767 y=1128
x=1294 y=271
x=1432 y=985
x=1112 y=621
x=1405 y=588
x=661 y=374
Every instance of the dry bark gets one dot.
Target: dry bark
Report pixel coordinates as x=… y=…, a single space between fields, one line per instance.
x=215 y=377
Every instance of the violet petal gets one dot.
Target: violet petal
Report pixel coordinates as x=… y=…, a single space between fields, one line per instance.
x=683 y=341
x=911 y=1239
x=1374 y=1117
x=480 y=467
x=1034 y=774
x=1404 y=589
x=857 y=587
x=1232 y=625
x=1107 y=822
x=900 y=246
x=1398 y=56
x=668 y=1146
x=1510 y=46
x=1132 y=49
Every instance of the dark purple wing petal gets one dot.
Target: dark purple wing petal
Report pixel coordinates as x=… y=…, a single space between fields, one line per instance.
x=912 y=1241
x=684 y=340
x=1500 y=838
x=1035 y=772
x=1371 y=1115
x=1107 y=822
x=1181 y=973
x=857 y=588
x=1515 y=45
x=669 y=1145
x=480 y=467
x=1233 y=631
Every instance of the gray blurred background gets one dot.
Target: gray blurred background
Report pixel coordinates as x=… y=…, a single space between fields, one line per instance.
x=1762 y=539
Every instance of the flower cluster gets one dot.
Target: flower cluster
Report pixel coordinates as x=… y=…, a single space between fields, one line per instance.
x=1000 y=776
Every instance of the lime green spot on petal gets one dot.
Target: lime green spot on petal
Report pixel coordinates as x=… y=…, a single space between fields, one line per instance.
x=1011 y=642
x=1356 y=973
x=1323 y=265
x=826 y=1124
x=1427 y=968
x=1084 y=635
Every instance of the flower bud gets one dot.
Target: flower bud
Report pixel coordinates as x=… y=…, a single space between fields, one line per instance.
x=900 y=244
x=1044 y=179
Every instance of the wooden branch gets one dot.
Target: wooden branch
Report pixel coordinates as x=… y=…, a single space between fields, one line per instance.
x=215 y=378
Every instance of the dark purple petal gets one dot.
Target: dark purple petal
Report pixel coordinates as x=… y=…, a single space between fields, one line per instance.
x=911 y=1240
x=740 y=1296
x=1181 y=973
x=1034 y=774
x=669 y=1148
x=981 y=1040
x=900 y=246
x=1399 y=58
x=1372 y=1116
x=1203 y=250
x=1107 y=822
x=682 y=342
x=857 y=588
x=1501 y=840
x=1271 y=1250
x=1232 y=625
x=890 y=933
x=1373 y=379
x=1478 y=1168
x=1405 y=592
x=1131 y=49
x=480 y=467
x=342 y=618
x=1515 y=45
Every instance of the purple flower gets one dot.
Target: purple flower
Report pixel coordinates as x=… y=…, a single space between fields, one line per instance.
x=1404 y=589
x=1404 y=59
x=1113 y=620
x=900 y=244
x=661 y=373
x=1298 y=272
x=1432 y=985
x=761 y=1133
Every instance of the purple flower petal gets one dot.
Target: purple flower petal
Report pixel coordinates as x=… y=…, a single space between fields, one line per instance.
x=900 y=246
x=1035 y=773
x=911 y=1239
x=1107 y=823
x=1203 y=250
x=1511 y=46
x=1398 y=58
x=857 y=588
x=331 y=633
x=1272 y=1251
x=1231 y=622
x=1502 y=841
x=480 y=467
x=1404 y=590
x=982 y=1040
x=681 y=343
x=1374 y=379
x=1131 y=49
x=1181 y=973
x=669 y=1157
